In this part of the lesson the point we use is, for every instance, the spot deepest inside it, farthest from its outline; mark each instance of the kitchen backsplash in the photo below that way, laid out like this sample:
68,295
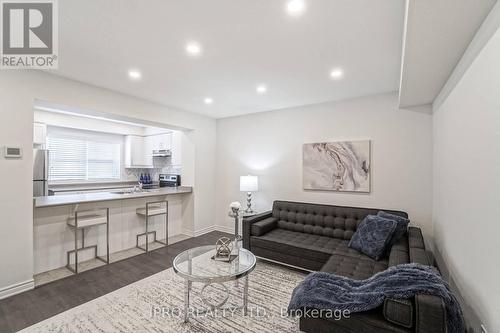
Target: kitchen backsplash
134,174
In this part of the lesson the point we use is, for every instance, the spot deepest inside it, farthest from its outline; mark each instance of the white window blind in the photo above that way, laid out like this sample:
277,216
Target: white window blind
82,155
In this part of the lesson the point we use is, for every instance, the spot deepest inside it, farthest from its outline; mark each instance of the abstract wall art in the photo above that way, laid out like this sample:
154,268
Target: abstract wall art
337,166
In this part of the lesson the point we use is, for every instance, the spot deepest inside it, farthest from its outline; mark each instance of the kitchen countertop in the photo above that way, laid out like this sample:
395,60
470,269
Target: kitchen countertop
60,188
72,199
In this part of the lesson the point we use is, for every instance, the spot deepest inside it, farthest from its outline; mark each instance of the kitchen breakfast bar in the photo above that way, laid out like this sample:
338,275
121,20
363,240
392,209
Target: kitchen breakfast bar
109,226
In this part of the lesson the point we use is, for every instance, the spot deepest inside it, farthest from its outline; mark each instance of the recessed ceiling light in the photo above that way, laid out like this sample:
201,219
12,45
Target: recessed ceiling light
295,7
134,74
336,74
208,100
261,89
193,48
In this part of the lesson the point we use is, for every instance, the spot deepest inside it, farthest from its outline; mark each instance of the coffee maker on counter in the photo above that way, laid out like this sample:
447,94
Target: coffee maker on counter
170,180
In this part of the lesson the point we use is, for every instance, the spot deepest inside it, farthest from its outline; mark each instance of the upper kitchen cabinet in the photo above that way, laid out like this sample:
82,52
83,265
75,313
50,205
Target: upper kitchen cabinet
138,151
162,142
39,134
176,158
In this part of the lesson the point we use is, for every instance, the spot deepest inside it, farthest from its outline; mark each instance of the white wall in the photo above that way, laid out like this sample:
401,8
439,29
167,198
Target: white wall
466,182
270,145
18,91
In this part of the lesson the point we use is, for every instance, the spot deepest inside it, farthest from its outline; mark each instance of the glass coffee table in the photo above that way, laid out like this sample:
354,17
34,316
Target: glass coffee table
197,265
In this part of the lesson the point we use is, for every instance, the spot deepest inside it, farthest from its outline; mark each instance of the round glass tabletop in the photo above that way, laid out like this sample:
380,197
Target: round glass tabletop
197,265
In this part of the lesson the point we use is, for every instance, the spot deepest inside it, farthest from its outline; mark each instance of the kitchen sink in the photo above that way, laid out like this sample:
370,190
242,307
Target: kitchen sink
122,192
132,191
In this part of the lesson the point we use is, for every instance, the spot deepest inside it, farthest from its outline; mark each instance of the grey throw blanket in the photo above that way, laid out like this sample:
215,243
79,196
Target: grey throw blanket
325,291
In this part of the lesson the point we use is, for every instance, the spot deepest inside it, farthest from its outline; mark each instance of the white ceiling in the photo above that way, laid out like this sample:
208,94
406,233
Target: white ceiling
437,34
245,43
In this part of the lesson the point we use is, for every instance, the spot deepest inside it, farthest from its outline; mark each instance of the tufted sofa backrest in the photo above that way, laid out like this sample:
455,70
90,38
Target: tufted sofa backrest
325,220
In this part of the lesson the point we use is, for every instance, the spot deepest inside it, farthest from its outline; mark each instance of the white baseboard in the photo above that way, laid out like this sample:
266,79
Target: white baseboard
17,288
188,232
224,228
206,230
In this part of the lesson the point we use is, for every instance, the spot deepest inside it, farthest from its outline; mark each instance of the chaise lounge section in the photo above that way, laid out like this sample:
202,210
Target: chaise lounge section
315,237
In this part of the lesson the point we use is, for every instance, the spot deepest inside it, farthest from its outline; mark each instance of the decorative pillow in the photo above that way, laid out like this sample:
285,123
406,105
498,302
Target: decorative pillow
401,228
373,235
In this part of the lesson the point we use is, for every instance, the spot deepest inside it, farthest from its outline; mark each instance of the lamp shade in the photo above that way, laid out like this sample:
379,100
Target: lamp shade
249,183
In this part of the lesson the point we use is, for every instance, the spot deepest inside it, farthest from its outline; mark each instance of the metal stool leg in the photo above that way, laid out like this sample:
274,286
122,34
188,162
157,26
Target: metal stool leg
83,237
84,247
106,258
68,254
147,222
166,224
147,232
76,242
107,235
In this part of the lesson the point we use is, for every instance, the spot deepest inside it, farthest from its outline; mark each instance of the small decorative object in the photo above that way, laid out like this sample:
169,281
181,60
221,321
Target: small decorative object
223,250
235,207
249,184
337,166
235,213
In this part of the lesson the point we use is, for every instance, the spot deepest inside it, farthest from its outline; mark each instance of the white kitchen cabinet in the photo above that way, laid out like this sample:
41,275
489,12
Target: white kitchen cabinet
162,141
138,151
148,151
39,134
176,158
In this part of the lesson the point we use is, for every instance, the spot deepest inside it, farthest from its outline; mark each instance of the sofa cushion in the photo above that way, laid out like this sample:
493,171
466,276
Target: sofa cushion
312,247
420,256
289,259
324,220
401,227
373,236
401,244
264,226
354,268
415,238
399,311
399,253
398,257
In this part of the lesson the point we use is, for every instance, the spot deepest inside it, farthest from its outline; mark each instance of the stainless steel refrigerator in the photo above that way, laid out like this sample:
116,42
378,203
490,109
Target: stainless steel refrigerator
40,172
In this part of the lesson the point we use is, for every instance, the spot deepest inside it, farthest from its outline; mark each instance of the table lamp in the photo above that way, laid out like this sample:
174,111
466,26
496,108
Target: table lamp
249,184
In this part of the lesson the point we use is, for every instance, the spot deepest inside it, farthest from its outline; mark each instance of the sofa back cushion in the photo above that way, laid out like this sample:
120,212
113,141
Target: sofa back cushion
324,220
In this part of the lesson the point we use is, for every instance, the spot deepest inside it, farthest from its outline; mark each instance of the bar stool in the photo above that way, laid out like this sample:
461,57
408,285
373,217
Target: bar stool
153,208
82,221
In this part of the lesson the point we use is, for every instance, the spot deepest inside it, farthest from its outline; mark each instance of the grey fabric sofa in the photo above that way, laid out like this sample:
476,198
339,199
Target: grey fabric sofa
315,237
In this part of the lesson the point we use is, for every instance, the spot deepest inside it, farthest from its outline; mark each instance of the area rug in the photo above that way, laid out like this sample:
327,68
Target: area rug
155,304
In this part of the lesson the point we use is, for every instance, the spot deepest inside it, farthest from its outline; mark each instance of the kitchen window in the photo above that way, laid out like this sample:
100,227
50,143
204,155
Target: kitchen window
77,155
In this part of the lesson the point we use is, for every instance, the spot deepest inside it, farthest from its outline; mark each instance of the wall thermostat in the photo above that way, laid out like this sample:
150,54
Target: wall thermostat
13,152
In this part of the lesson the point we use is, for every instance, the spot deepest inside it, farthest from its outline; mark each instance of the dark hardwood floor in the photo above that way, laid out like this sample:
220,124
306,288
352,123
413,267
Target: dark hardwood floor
28,308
